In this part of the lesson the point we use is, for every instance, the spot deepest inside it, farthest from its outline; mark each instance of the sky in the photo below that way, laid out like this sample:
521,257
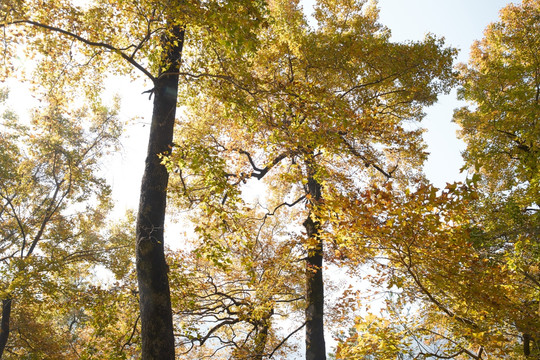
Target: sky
460,22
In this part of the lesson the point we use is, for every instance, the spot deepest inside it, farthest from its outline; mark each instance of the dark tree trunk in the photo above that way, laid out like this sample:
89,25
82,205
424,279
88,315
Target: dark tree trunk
260,340
526,344
4,324
155,301
315,347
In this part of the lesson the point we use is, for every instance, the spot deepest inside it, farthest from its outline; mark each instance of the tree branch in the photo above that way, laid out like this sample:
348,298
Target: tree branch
367,162
375,82
48,214
18,220
217,327
109,47
258,172
221,77
436,302
128,342
285,339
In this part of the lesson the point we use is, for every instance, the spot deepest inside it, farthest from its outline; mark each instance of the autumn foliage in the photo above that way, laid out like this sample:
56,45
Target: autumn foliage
288,153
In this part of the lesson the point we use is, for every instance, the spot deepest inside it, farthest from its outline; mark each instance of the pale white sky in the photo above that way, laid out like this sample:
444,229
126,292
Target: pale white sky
460,22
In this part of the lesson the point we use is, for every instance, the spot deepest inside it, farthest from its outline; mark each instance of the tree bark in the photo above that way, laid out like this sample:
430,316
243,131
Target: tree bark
315,346
155,300
526,344
4,324
260,340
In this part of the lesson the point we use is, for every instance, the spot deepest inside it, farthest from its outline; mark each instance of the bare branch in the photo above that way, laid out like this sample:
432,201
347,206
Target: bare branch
285,204
285,339
455,355
359,86
217,327
128,342
258,172
435,301
366,161
48,215
9,256
146,37
109,47
219,76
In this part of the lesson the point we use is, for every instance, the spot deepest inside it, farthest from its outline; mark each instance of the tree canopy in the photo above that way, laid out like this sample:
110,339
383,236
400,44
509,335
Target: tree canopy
465,258
290,151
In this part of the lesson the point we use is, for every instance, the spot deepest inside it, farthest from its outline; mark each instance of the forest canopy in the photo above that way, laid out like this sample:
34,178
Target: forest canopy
285,156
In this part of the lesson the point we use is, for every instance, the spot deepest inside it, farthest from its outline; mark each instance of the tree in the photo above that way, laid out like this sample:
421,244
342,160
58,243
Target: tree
314,112
433,258
117,37
467,257
52,205
242,276
443,297
232,309
502,82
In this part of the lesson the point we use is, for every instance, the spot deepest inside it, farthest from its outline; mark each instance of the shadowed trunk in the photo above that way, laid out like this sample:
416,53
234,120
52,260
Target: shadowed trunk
315,347
260,340
526,344
155,301
4,324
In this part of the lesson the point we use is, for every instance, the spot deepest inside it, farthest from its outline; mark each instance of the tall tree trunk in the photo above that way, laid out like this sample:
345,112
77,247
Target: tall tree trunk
4,324
315,347
261,339
526,344
155,300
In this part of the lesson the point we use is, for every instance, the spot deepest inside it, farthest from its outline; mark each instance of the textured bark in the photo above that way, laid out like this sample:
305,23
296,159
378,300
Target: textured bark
526,344
155,301
4,324
260,340
315,346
